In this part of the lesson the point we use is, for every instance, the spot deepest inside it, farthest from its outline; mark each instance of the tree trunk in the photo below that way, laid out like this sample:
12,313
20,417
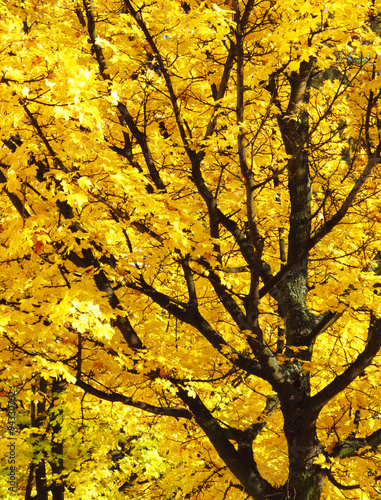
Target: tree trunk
56,462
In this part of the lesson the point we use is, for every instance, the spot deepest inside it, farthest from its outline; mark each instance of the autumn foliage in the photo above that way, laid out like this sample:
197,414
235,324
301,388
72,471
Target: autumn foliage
190,249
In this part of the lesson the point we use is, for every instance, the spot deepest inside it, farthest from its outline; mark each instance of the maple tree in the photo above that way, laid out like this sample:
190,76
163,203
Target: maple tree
189,247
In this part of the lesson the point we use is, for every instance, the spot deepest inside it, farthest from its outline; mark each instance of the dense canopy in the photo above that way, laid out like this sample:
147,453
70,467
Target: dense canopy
190,249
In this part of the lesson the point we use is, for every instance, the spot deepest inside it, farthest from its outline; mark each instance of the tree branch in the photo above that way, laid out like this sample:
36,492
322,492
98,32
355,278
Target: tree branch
332,479
349,447
324,230
329,319
114,397
247,474
191,315
13,198
363,360
124,114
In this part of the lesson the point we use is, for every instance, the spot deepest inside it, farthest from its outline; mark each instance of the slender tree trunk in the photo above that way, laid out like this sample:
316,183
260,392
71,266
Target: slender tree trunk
38,420
56,461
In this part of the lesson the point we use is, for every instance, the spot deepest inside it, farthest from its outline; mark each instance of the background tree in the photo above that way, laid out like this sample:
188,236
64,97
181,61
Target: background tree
190,230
